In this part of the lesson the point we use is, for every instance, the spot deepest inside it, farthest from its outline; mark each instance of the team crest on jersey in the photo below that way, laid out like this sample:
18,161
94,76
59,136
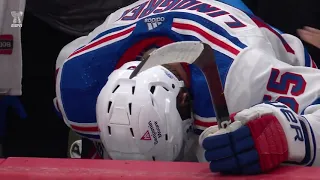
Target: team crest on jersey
154,22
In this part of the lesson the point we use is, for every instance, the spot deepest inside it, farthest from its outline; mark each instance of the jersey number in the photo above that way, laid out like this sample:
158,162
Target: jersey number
288,86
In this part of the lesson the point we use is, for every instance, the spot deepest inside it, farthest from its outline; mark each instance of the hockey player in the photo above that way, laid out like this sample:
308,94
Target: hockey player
148,117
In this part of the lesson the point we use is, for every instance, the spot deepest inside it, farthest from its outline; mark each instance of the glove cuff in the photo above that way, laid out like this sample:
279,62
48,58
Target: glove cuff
292,128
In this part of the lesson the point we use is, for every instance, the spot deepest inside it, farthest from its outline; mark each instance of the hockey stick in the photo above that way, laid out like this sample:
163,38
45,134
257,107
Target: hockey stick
201,55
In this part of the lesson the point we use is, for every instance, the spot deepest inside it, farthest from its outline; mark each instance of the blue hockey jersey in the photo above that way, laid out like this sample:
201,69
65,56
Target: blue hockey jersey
256,62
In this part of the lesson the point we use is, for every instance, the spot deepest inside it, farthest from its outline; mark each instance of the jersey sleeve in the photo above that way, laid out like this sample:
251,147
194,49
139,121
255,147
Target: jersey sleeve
257,76
301,55
78,43
87,129
82,69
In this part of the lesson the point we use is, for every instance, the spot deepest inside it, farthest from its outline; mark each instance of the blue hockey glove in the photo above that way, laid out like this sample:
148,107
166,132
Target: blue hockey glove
259,140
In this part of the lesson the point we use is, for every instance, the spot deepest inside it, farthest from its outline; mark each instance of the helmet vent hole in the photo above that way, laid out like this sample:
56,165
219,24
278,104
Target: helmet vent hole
152,102
153,158
133,89
131,130
130,107
115,89
109,130
152,89
173,86
109,106
166,136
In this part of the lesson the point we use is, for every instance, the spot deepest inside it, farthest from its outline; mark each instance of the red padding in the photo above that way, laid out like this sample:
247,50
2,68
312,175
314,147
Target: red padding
64,169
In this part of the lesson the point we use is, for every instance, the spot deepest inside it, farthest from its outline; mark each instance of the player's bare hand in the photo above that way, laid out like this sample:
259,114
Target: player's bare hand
310,35
259,140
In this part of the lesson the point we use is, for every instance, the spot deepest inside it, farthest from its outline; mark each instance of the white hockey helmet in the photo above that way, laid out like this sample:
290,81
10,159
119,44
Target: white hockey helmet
138,118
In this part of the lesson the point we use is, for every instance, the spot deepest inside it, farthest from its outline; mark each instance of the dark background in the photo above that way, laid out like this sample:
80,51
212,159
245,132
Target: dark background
288,16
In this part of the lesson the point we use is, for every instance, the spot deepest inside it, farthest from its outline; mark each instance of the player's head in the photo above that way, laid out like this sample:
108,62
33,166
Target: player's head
144,118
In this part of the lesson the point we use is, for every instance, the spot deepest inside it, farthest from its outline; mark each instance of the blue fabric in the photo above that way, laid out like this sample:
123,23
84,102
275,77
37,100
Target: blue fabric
7,102
232,153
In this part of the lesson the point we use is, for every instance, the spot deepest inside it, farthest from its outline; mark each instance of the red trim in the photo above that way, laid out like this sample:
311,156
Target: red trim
6,37
261,24
136,49
206,35
204,124
6,51
103,40
314,65
87,129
